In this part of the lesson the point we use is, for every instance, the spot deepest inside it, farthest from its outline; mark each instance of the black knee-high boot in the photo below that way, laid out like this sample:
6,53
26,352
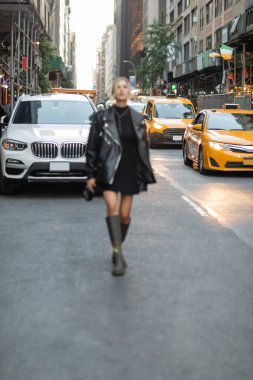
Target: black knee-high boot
115,233
124,229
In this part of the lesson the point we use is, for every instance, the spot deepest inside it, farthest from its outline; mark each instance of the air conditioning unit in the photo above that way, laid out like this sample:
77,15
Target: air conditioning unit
195,38
195,19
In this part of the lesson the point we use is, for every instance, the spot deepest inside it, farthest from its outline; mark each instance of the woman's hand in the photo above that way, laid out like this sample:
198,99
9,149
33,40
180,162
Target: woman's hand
91,184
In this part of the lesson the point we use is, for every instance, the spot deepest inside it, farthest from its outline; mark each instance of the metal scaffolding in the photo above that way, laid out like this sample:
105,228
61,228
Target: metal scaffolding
20,61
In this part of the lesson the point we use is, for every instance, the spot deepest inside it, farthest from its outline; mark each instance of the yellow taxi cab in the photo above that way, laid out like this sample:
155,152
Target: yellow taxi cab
167,119
221,140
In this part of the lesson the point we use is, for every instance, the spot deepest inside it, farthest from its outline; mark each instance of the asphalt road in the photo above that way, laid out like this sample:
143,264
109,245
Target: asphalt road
184,311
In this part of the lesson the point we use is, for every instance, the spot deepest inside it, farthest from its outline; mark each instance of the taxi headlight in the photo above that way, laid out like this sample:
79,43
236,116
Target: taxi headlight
158,126
218,146
8,144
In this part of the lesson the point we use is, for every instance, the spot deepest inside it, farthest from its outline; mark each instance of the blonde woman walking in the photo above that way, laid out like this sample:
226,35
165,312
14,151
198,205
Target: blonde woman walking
118,164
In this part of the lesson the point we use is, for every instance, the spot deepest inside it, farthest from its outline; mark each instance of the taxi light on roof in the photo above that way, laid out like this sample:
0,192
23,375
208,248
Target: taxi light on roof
231,106
171,96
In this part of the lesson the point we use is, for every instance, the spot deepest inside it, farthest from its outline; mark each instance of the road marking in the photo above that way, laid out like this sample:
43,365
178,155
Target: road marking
210,211
200,210
204,210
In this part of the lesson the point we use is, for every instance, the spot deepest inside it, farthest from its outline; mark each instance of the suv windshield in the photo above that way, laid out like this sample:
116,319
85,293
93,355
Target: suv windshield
230,122
174,111
53,112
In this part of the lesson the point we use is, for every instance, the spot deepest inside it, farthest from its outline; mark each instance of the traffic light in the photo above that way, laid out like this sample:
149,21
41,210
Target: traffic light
174,87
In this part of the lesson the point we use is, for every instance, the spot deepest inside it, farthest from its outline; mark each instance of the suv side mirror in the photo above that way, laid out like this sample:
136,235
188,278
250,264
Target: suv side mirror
4,121
197,127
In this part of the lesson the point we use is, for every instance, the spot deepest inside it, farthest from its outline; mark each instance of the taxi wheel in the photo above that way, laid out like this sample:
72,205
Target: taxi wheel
187,161
202,170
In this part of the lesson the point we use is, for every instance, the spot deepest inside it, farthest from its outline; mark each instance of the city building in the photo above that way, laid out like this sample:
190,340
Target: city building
22,24
129,29
62,70
200,27
153,10
109,61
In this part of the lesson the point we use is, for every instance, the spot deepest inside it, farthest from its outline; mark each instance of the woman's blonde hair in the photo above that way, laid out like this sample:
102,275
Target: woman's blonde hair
116,82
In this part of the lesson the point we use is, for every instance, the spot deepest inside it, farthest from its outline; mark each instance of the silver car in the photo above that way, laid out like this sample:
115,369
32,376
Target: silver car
45,140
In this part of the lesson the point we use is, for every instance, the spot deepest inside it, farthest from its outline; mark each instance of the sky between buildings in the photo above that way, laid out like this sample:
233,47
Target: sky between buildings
89,19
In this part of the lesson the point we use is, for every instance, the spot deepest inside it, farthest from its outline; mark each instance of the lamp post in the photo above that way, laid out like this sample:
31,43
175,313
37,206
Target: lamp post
134,67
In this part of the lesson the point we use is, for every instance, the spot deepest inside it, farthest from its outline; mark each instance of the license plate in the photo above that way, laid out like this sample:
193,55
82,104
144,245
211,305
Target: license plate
59,167
248,162
177,138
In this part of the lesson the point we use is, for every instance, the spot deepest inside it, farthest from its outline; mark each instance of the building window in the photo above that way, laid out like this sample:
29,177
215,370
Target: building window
186,51
186,3
228,4
172,17
179,34
179,8
249,17
194,16
194,46
187,24
201,17
209,12
209,42
201,46
218,8
218,37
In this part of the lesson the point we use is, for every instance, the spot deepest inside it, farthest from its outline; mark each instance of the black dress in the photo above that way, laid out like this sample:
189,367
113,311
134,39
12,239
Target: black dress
126,177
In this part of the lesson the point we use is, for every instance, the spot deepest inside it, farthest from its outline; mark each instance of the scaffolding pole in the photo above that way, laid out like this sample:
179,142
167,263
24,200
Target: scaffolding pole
12,62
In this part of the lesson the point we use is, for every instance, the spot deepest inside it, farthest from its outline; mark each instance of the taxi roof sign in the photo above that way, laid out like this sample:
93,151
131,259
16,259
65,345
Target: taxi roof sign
231,106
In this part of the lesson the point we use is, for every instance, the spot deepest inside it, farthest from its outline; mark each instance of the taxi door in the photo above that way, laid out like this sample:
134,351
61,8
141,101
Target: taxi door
195,137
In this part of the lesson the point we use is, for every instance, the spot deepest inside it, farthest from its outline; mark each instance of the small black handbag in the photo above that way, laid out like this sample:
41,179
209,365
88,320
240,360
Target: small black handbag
88,195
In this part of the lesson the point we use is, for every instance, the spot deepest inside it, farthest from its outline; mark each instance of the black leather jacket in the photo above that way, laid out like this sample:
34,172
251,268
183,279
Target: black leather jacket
104,148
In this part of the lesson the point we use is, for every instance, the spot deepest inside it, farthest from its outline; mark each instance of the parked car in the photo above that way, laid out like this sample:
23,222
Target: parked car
220,140
167,119
45,140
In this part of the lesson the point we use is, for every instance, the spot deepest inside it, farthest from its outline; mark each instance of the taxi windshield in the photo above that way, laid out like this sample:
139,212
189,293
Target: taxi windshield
53,112
173,111
230,121
138,107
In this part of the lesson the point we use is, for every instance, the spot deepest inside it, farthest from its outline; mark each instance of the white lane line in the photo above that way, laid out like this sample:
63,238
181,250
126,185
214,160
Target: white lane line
210,211
204,210
200,210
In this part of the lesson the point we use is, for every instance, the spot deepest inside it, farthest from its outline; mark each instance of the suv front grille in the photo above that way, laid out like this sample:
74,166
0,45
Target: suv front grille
45,150
73,150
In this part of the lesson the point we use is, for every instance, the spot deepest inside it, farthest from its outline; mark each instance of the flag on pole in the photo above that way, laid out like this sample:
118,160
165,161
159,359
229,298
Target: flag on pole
226,52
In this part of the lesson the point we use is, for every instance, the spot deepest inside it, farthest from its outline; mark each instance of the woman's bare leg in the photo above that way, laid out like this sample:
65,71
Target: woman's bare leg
125,208
112,203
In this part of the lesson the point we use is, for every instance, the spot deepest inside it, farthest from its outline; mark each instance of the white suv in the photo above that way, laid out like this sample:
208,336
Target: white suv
45,140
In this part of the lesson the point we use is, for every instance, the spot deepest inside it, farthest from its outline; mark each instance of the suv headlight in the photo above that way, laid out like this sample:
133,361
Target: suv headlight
8,144
218,146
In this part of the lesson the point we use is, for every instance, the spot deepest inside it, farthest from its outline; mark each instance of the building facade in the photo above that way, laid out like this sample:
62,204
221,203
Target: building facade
22,25
110,57
128,29
200,27
153,10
